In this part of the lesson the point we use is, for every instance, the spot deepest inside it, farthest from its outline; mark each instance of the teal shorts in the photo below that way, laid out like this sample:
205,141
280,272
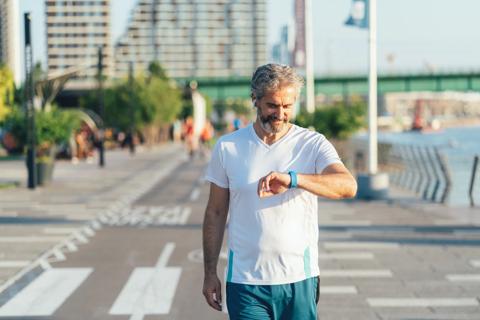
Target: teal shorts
291,301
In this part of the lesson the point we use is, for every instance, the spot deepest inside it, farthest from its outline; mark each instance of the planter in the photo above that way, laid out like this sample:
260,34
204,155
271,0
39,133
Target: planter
44,172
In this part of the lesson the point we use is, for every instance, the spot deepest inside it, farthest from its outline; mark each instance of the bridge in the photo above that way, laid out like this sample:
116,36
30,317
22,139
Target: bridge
223,88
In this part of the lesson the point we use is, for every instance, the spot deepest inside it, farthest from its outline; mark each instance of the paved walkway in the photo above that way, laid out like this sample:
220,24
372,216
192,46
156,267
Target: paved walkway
399,259
35,223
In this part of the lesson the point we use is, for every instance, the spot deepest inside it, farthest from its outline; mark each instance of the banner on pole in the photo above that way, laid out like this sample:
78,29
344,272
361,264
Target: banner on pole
358,14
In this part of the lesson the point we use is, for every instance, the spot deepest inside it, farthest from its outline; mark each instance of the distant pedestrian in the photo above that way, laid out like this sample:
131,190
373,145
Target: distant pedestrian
267,177
237,123
206,137
189,136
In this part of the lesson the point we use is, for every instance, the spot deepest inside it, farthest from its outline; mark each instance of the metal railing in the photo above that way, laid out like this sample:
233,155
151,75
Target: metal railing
472,181
422,170
436,173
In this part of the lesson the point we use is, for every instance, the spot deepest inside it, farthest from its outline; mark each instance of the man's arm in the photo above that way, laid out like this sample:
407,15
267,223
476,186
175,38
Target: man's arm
213,230
335,182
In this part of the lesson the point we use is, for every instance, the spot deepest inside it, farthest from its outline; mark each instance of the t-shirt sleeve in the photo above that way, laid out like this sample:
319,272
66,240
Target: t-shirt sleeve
326,156
216,170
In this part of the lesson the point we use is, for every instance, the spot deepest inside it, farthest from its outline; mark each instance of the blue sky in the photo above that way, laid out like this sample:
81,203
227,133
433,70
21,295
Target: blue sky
421,35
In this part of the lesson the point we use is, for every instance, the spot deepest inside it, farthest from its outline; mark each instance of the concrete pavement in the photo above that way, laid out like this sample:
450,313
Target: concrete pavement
399,259
34,225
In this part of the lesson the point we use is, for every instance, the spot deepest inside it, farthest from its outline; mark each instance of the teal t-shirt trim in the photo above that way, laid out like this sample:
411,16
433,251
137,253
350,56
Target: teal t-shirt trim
230,266
306,262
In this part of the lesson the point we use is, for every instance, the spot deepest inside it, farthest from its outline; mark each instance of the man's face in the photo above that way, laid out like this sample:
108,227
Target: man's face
275,108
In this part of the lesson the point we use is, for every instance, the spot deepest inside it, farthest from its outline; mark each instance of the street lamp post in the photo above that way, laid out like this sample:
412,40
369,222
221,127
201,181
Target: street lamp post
373,185
28,105
309,74
101,109
132,110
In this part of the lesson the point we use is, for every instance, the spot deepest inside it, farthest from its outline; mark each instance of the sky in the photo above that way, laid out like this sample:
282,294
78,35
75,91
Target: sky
417,35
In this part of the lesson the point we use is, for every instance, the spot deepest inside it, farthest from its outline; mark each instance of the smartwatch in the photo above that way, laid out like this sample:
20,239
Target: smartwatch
293,179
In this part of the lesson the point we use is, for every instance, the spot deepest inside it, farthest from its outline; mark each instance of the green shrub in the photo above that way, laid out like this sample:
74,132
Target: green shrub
51,128
336,121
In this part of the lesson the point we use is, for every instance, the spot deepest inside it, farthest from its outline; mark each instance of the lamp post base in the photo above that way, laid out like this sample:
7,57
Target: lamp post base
372,186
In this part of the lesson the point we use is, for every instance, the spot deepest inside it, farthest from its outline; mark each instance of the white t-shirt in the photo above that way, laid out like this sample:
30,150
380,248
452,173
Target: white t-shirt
271,240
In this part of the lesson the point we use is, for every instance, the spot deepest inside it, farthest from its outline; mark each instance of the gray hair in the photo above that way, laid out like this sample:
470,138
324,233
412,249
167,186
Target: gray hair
273,76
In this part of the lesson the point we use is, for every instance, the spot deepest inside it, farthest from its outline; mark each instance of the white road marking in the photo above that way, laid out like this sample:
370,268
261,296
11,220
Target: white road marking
344,223
475,263
445,222
360,245
463,277
346,256
185,215
14,263
89,231
59,230
338,290
80,237
96,225
195,194
144,216
46,293
331,236
420,302
149,290
71,246
165,255
59,256
30,239
356,273
45,264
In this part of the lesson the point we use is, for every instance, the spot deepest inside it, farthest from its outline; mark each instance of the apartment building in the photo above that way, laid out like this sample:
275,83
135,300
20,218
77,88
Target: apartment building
10,37
75,31
195,38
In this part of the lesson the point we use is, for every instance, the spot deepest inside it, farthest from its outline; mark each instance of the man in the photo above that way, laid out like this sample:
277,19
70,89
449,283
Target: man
267,176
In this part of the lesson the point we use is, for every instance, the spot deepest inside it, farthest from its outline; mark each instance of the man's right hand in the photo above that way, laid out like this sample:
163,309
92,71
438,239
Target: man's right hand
212,290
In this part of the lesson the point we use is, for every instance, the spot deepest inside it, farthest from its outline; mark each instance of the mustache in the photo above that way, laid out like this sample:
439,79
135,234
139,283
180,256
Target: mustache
271,118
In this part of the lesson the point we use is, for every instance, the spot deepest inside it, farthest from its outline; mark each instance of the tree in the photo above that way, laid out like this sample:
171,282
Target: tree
155,70
336,121
154,98
7,91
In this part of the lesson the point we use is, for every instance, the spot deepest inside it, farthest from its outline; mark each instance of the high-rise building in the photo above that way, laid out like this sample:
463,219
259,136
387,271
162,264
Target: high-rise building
195,38
282,51
299,49
10,38
76,29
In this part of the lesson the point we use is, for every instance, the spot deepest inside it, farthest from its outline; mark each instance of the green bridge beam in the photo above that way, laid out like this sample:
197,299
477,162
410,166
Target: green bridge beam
224,88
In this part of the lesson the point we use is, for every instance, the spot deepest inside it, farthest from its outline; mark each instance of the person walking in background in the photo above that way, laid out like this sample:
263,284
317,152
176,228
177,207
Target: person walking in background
206,137
189,136
267,177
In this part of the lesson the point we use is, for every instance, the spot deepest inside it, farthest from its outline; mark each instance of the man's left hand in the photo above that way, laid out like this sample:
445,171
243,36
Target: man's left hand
272,184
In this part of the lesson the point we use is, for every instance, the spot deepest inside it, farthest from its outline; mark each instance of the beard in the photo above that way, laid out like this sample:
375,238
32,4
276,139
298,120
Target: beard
267,122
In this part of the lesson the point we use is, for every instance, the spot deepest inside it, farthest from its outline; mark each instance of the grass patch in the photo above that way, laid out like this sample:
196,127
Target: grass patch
8,185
